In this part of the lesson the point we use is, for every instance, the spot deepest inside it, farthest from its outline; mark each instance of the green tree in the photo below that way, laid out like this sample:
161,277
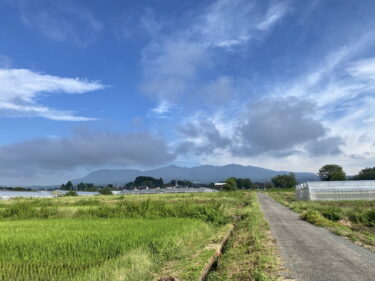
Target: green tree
244,183
67,186
366,174
331,172
230,184
106,191
71,192
284,181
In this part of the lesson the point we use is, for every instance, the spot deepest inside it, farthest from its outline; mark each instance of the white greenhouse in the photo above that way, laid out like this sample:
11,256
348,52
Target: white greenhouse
336,190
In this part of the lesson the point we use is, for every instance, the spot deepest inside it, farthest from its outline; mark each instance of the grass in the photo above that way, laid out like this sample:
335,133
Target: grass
60,249
250,253
134,237
352,219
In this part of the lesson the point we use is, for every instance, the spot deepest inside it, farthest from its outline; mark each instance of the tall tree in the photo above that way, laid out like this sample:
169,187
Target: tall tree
245,183
284,181
332,172
366,174
69,186
230,184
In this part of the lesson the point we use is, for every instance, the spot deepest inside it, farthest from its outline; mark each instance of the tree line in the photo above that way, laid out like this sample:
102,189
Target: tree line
329,172
279,181
333,172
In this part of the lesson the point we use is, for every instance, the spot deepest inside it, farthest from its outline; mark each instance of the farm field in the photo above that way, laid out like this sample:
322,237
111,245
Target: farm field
352,219
134,237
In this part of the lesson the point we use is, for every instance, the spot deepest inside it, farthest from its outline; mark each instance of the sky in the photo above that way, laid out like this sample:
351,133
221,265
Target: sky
85,85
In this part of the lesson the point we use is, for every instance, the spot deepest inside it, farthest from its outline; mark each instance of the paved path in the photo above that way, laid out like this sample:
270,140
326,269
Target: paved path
312,253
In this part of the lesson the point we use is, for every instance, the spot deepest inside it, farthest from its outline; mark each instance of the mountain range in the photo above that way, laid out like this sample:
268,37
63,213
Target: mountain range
199,174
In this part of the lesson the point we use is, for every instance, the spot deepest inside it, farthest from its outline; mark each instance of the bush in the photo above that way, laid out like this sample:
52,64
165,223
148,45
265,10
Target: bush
19,211
370,215
71,193
105,191
366,218
316,218
333,214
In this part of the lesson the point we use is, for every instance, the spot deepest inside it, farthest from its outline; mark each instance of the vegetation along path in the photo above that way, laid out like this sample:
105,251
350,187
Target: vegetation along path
312,253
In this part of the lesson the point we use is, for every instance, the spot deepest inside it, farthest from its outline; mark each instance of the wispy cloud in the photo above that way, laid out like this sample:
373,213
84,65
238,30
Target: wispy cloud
275,13
21,88
227,23
173,65
162,109
59,20
363,69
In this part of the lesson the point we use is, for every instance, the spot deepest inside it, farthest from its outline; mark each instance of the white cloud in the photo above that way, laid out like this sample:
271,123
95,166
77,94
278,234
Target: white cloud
20,89
363,69
173,64
343,87
273,15
59,20
162,108
227,23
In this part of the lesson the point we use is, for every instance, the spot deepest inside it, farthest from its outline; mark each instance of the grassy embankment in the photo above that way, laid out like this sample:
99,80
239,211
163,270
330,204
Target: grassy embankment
250,253
130,238
352,219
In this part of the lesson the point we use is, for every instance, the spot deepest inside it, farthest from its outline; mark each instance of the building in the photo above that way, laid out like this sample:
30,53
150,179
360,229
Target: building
219,185
336,190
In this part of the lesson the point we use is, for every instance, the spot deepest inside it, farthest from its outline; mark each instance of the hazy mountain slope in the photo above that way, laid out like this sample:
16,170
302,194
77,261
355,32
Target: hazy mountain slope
204,174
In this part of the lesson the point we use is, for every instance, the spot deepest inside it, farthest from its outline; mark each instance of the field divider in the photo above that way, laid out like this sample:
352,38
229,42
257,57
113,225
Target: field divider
218,251
215,257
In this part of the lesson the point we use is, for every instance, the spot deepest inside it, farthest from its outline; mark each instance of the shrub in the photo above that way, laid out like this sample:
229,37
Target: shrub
333,214
105,191
370,215
71,193
19,211
316,218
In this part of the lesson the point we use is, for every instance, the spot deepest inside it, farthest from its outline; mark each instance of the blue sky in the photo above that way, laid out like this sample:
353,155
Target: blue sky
84,85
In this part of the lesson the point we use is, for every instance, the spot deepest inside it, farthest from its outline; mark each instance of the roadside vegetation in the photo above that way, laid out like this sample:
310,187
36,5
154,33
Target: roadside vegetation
352,219
250,253
134,237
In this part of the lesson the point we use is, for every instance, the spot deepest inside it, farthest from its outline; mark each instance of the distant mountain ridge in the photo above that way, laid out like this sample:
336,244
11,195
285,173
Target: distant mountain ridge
199,174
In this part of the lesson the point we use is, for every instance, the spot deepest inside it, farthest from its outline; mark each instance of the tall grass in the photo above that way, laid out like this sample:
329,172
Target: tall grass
250,253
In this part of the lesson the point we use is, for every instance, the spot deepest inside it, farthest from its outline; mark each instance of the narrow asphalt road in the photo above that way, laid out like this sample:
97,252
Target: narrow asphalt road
312,253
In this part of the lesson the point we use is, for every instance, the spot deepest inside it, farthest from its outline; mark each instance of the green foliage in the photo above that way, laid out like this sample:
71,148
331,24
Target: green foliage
250,253
61,249
332,172
18,210
86,187
366,218
316,218
145,181
245,183
212,213
284,181
71,193
366,174
180,183
112,238
333,213
105,191
230,184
